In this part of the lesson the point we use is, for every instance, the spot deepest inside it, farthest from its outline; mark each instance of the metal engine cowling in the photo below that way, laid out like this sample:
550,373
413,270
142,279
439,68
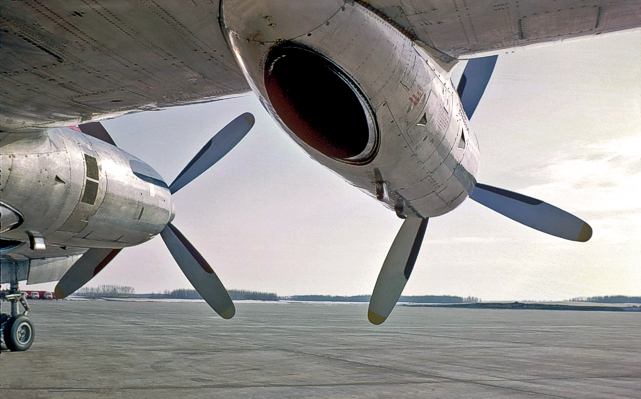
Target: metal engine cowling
356,94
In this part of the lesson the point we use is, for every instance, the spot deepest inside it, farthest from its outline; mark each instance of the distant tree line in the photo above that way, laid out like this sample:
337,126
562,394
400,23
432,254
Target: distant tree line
113,291
471,299
252,295
181,294
609,299
365,298
237,295
106,291
326,298
125,291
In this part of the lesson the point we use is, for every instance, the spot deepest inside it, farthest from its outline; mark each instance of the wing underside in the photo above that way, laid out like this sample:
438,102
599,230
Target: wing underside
38,266
64,63
464,28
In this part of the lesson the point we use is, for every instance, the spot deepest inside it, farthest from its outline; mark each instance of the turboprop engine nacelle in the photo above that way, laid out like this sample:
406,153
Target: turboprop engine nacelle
74,190
360,97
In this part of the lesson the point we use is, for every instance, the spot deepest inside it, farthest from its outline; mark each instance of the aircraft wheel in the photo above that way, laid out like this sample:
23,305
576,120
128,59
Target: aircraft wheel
19,333
3,317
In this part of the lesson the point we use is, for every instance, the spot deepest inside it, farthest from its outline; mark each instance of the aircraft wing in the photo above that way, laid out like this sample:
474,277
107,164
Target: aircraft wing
64,63
39,266
463,28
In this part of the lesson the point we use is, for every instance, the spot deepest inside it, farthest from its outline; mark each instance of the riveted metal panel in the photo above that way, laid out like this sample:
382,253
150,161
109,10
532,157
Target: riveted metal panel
401,85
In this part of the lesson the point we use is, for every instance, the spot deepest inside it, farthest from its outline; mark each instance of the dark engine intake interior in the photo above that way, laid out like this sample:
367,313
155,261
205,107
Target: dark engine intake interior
321,104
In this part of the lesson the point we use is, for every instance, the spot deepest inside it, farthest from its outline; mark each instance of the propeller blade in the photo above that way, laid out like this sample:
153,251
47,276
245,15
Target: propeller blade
396,269
85,268
198,272
474,80
533,213
216,148
95,129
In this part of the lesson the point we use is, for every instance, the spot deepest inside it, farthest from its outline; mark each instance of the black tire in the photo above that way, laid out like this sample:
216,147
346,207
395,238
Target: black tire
19,334
3,317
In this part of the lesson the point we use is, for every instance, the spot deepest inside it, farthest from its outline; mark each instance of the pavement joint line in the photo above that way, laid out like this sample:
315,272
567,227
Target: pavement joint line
447,379
271,385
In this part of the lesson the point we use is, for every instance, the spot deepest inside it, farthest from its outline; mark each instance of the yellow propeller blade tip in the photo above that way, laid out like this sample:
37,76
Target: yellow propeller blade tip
59,293
586,233
375,318
229,313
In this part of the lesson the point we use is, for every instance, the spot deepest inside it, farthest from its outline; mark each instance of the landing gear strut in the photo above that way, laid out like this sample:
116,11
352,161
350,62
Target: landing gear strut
16,329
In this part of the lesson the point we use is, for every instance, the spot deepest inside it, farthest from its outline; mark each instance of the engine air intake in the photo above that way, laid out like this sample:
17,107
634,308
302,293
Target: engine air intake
321,104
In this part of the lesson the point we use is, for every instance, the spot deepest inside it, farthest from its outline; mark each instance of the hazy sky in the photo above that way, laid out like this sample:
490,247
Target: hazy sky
560,123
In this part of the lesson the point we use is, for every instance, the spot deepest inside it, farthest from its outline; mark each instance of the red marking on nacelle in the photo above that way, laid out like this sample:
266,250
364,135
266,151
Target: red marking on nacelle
416,97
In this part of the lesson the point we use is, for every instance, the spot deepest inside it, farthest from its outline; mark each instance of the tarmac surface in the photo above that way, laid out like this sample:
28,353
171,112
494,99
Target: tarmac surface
107,349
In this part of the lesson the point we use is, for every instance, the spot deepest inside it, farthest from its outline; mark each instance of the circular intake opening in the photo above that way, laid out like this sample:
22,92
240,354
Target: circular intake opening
321,104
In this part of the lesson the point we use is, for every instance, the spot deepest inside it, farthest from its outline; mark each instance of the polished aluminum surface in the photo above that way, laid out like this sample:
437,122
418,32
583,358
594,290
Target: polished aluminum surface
419,116
77,191
8,218
68,62
62,63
